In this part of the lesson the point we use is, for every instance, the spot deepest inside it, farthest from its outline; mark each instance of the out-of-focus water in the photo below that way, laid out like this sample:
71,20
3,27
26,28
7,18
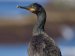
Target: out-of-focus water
13,50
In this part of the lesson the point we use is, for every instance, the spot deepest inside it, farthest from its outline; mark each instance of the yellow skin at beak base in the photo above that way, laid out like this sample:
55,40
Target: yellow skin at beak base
32,9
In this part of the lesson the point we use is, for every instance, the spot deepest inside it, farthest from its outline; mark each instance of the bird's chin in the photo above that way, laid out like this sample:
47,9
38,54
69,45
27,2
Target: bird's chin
34,12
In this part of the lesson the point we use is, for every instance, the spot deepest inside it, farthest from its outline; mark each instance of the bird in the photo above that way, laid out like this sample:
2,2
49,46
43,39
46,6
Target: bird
40,44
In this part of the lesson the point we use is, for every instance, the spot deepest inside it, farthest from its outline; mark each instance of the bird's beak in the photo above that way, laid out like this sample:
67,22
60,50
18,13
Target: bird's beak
27,8
23,7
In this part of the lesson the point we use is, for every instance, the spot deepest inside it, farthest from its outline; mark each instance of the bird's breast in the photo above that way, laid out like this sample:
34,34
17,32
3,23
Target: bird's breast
37,43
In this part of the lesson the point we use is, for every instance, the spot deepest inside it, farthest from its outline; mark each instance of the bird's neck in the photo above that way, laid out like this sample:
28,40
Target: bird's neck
39,26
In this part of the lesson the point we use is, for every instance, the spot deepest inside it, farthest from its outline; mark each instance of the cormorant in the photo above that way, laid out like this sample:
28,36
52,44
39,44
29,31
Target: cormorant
41,44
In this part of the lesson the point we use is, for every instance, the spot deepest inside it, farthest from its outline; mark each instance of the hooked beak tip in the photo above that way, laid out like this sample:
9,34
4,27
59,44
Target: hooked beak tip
17,6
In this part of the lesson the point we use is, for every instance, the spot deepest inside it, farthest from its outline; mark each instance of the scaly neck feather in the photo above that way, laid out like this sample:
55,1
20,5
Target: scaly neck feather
39,26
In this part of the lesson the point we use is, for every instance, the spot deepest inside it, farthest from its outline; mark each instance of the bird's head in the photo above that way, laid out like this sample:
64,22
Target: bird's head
34,8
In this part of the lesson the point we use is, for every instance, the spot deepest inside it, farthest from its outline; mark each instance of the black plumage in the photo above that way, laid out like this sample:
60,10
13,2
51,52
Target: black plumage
41,44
